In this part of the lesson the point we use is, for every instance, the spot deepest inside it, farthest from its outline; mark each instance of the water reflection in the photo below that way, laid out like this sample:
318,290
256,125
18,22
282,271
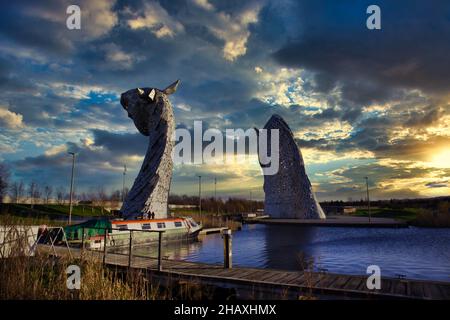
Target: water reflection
418,253
280,251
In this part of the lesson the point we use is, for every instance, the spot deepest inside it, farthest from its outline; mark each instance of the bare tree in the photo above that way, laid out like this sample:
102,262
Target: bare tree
115,198
48,191
60,193
101,197
37,194
4,181
16,191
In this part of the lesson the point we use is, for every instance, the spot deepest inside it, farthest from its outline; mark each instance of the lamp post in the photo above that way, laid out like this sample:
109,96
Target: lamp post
123,183
368,199
71,187
215,194
200,194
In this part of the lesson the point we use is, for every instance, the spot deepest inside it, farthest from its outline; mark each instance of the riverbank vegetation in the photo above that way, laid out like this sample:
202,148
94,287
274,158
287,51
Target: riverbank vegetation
209,219
10,220
55,210
44,277
437,216
434,218
231,205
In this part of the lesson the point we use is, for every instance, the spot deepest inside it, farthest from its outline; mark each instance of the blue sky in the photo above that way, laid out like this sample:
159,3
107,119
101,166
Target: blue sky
359,102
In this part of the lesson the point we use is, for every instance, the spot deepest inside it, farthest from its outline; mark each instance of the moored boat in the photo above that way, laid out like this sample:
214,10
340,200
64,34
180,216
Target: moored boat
143,231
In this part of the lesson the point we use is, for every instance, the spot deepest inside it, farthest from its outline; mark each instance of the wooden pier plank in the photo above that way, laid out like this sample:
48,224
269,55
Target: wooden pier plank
320,282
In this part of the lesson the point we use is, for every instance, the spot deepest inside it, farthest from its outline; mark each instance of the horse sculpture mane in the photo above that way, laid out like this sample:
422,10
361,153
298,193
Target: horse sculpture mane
152,114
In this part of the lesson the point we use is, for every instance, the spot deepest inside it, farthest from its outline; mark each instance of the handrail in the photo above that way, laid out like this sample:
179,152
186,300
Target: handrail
160,233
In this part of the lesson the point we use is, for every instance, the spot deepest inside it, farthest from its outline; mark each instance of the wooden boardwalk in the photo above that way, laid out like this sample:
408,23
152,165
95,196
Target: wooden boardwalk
290,283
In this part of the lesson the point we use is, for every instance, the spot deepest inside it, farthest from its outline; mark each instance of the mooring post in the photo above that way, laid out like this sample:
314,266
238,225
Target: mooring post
130,248
82,243
104,247
160,251
227,250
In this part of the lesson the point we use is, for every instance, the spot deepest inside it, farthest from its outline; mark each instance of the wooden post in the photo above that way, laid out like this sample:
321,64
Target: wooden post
159,251
227,251
130,248
82,243
104,247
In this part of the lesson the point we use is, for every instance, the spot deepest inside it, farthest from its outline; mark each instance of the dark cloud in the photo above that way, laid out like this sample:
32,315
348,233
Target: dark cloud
121,143
437,184
66,84
406,52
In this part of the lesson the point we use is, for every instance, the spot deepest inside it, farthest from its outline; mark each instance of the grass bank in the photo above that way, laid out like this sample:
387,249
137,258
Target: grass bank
438,217
53,210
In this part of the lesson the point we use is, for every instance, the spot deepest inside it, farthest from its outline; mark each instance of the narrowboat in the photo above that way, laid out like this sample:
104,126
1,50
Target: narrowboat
92,232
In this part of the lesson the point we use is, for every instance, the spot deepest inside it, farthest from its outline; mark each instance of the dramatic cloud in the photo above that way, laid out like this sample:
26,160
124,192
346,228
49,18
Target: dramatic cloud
157,20
10,120
359,102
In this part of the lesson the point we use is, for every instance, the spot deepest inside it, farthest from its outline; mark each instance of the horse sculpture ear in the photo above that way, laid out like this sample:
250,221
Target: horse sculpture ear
172,88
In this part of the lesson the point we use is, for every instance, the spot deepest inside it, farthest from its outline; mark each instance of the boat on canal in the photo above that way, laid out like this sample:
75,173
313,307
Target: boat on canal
143,231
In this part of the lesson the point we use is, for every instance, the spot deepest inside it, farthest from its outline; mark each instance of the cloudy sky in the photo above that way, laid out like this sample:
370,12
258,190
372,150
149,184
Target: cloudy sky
359,102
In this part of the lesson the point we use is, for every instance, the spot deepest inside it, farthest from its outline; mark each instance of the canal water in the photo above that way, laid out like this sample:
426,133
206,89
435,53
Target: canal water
417,253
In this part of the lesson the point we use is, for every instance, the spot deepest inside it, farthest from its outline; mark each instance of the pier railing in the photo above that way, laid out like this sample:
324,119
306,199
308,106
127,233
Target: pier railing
126,247
104,243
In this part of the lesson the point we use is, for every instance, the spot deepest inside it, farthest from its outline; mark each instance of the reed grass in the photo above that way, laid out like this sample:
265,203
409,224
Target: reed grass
43,277
432,219
210,220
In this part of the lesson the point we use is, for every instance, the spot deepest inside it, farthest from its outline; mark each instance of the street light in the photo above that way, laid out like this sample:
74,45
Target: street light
215,194
123,184
368,199
200,194
71,187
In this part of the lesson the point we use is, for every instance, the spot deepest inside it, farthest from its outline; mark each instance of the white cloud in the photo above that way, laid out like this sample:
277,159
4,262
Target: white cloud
120,60
75,91
204,4
233,29
285,86
99,16
184,107
9,119
157,20
332,130
56,150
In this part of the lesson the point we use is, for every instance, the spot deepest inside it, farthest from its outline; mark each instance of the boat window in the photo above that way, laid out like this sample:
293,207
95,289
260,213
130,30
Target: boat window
161,225
122,227
146,226
193,223
178,224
